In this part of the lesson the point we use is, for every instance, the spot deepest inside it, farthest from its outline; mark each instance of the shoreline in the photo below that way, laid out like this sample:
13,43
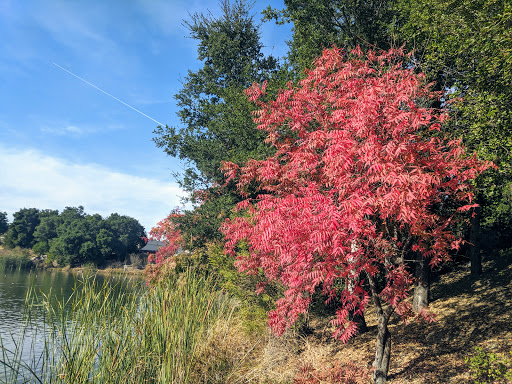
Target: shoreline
18,260
104,271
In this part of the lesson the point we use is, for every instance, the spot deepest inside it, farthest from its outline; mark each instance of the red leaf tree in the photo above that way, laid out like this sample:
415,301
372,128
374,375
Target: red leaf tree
361,177
170,235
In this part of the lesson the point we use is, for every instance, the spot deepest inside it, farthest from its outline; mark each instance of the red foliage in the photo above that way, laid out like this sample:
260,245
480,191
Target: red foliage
168,232
360,177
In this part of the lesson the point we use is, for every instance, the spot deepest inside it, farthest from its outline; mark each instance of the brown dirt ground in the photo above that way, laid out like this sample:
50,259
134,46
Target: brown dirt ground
468,313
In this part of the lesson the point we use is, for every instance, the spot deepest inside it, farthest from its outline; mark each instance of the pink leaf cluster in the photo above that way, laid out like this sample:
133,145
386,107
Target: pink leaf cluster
166,231
359,176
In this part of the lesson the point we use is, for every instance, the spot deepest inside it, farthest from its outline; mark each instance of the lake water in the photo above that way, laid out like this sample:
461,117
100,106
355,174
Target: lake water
14,287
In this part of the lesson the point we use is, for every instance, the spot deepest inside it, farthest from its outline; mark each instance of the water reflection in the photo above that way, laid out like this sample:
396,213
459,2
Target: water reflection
15,287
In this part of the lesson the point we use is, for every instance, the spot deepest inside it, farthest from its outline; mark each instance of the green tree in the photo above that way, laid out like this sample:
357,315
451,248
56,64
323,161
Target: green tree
4,223
127,236
73,232
46,231
70,238
21,230
70,214
467,47
318,24
200,225
105,243
215,114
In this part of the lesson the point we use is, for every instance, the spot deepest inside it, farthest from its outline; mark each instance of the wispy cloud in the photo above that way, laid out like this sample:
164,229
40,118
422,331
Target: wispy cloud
64,130
30,178
76,129
76,25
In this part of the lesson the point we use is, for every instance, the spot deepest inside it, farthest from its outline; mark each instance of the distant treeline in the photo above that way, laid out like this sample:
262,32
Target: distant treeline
73,237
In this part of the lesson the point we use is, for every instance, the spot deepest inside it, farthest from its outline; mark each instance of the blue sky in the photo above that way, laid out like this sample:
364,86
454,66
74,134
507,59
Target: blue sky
63,142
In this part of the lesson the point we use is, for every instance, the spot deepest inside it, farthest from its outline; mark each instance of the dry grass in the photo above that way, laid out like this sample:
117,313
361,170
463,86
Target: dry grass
469,313
278,361
232,355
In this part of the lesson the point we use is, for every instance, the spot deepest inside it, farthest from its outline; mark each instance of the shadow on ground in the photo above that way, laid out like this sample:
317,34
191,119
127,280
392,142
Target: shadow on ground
469,313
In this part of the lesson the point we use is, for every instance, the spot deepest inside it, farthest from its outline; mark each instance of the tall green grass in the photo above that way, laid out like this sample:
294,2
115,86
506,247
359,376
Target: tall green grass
15,259
107,334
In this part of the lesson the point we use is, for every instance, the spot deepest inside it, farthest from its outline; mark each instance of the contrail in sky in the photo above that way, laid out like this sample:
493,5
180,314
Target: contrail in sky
108,94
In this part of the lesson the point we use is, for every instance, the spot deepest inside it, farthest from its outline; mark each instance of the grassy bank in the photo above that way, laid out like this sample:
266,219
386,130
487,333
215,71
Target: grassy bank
15,259
92,269
184,330
142,335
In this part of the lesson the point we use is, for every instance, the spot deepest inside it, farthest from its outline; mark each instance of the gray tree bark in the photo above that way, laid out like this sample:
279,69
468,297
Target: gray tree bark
422,287
383,345
383,352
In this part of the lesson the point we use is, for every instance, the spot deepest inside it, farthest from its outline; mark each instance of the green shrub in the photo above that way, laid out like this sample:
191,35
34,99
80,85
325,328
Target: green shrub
137,261
490,368
254,307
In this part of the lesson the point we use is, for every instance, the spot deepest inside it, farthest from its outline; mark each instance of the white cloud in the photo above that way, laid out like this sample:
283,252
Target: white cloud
29,178
63,127
77,26
64,130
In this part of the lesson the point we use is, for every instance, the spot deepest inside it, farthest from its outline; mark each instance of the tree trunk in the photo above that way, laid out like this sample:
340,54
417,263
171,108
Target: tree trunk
383,347
475,256
422,288
359,318
383,351
360,321
351,283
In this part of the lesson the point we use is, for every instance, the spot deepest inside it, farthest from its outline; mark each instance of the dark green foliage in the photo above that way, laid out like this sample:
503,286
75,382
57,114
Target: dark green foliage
216,117
105,241
318,24
215,114
201,225
69,248
74,237
45,232
466,46
21,230
89,238
4,223
126,234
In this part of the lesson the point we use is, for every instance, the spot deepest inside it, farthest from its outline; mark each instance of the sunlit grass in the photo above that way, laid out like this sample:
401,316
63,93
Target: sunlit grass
113,334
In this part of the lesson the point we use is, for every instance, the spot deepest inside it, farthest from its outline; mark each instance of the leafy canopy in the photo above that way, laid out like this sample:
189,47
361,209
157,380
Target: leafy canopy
21,230
216,121
467,46
4,223
215,115
318,24
74,237
360,178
